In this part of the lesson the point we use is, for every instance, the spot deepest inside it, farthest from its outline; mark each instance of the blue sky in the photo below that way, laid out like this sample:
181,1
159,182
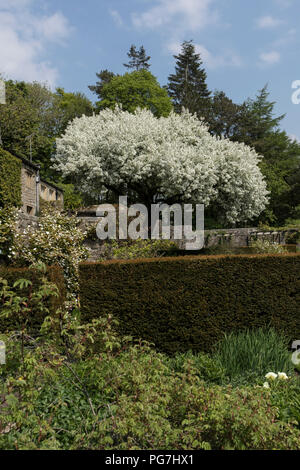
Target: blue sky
244,44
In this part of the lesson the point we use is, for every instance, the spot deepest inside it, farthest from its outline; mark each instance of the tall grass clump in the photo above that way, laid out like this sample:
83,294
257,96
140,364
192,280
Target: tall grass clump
253,353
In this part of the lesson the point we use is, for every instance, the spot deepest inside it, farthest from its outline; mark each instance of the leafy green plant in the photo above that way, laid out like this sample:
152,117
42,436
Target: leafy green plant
10,180
16,302
251,354
138,249
206,367
8,220
266,246
127,397
56,241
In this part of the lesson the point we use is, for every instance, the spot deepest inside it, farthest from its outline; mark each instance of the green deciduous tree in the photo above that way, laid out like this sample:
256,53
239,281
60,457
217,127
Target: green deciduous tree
32,109
136,89
104,77
70,106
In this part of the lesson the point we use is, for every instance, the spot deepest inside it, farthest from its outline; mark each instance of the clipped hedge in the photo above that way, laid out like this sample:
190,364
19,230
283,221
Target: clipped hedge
10,180
189,302
54,274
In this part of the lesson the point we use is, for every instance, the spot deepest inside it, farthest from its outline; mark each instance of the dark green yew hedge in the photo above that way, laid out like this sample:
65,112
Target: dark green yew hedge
190,302
54,274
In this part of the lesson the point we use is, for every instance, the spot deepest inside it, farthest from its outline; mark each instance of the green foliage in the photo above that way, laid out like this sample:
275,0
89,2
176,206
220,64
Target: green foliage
138,89
104,77
27,296
254,122
10,180
293,238
206,367
136,249
266,246
73,199
187,303
259,128
187,87
138,59
57,240
285,396
32,109
250,354
8,221
129,397
224,117
71,106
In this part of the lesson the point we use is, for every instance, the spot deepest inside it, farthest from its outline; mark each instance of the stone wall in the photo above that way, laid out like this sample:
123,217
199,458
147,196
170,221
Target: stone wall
234,238
231,238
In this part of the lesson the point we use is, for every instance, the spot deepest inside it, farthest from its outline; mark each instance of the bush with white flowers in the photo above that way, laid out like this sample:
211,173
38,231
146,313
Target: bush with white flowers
170,159
56,241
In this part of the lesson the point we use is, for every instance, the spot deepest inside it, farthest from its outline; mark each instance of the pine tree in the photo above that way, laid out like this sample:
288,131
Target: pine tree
187,87
104,76
138,59
257,120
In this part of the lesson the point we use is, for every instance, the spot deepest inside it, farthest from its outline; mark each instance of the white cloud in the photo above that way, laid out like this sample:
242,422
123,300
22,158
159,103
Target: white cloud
224,59
270,58
294,137
268,22
116,17
177,18
187,14
284,3
24,37
13,4
54,28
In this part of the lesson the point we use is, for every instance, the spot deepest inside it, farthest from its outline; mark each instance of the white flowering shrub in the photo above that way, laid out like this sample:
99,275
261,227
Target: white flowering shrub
8,222
56,241
268,247
172,159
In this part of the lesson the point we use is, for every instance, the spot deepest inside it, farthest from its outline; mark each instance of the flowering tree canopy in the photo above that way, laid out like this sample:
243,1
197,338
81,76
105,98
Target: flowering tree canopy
168,159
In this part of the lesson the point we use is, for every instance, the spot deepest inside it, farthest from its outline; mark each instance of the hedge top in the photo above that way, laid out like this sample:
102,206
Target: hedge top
188,258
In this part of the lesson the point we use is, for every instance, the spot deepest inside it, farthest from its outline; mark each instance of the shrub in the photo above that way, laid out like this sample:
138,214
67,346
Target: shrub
56,241
207,368
129,400
137,249
266,246
188,303
226,418
8,221
73,199
36,315
10,180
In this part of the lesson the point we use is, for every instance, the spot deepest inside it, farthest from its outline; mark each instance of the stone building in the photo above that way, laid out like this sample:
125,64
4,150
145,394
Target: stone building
34,188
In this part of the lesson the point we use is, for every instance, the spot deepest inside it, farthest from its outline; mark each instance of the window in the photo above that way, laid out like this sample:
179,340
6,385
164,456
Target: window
29,210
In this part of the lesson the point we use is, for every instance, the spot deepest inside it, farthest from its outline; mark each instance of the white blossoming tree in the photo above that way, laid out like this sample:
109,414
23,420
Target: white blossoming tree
170,160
